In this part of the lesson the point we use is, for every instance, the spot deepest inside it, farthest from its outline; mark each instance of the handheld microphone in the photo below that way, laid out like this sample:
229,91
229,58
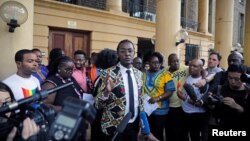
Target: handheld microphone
36,97
190,91
123,124
145,125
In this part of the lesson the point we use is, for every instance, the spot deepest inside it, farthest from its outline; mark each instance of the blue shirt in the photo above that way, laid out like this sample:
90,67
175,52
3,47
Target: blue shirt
43,75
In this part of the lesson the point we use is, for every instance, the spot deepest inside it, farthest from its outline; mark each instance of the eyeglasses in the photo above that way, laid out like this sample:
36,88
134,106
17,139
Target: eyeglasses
2,104
155,62
68,70
123,51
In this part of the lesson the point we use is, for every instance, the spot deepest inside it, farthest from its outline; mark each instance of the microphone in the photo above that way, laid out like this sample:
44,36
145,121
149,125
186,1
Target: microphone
145,125
36,97
190,91
123,124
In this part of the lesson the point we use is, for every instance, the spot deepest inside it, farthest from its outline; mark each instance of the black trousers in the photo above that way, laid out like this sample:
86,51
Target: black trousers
175,125
130,133
96,129
157,125
194,125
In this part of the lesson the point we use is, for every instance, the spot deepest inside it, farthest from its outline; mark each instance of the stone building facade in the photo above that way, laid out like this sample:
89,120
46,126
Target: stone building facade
238,24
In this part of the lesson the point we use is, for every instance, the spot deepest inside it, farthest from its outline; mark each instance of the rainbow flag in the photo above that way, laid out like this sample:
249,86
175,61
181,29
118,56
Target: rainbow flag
28,93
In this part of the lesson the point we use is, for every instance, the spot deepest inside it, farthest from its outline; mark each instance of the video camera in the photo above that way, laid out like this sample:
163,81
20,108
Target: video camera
216,98
70,121
33,108
30,107
44,116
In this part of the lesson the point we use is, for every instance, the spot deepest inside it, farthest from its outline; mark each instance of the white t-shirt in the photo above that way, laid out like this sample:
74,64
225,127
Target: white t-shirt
22,87
187,107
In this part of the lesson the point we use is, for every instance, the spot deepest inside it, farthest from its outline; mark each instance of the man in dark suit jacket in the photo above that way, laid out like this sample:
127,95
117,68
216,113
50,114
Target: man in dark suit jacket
221,77
113,94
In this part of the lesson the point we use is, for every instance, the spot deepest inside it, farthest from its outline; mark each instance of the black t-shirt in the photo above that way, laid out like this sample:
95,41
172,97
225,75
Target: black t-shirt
70,91
229,117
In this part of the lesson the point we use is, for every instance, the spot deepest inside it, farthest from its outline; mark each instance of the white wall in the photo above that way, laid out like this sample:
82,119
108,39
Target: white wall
12,42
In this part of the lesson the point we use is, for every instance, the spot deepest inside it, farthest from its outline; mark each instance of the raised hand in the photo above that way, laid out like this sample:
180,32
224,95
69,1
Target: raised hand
109,86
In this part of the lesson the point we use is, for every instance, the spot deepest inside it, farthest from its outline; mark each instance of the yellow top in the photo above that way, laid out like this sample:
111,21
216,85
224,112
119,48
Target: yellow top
179,78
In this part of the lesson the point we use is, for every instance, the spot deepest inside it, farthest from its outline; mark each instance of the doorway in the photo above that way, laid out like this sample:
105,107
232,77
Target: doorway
145,48
70,41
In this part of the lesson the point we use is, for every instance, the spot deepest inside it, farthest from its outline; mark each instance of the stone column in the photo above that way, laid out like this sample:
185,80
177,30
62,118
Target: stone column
115,5
22,38
246,51
203,16
224,29
167,26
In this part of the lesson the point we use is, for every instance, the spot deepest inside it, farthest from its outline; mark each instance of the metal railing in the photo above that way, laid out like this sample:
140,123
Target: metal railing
98,4
135,8
142,10
189,24
144,15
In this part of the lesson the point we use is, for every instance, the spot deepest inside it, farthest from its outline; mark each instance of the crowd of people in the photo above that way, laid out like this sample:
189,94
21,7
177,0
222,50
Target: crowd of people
183,103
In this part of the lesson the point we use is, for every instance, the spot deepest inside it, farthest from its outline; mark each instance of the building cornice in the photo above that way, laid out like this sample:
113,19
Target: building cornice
199,34
121,16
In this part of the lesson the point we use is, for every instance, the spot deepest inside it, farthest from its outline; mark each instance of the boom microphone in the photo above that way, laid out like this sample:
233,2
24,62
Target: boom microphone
144,121
36,97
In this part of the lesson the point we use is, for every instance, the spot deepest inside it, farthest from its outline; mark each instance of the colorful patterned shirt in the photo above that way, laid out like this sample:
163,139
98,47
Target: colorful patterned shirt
156,84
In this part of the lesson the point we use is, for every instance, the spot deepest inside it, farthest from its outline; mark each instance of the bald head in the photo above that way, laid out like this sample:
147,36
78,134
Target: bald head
235,58
195,67
199,61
